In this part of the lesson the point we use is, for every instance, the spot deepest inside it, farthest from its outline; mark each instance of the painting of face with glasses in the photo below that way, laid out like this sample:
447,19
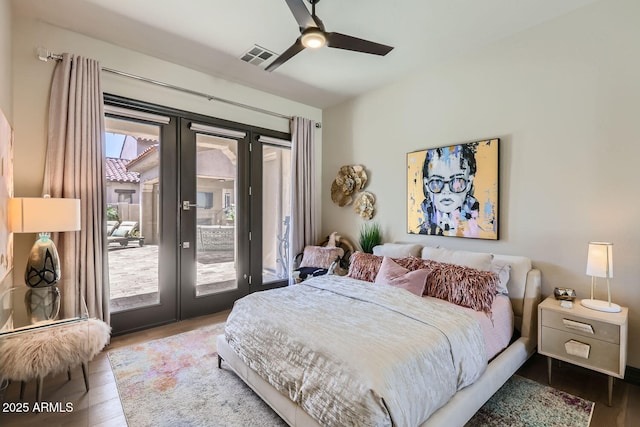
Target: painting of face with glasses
453,191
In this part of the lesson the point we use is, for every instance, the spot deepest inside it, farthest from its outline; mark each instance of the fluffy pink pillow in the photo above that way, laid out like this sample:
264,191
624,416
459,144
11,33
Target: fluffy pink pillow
463,286
391,273
319,256
363,266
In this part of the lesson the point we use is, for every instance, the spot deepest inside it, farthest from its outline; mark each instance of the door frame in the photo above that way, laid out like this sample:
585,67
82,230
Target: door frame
176,227
165,311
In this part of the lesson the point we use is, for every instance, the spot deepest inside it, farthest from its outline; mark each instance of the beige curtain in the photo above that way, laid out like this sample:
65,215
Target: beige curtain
304,224
75,169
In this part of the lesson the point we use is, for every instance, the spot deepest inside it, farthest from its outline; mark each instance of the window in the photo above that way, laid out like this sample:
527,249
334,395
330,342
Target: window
204,200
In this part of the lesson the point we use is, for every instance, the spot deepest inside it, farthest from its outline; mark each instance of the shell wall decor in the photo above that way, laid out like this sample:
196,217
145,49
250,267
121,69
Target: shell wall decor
350,180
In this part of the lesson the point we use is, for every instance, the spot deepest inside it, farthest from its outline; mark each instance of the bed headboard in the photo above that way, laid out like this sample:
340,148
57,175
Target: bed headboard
524,291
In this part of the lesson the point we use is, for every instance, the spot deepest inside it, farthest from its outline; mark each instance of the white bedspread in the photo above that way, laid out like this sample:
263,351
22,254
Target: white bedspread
356,353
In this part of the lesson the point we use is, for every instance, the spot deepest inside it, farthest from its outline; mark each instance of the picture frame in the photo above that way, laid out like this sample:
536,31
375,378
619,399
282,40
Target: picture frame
6,192
454,190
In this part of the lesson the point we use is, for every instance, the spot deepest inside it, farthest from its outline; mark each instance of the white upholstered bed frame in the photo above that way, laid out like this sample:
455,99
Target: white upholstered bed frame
524,291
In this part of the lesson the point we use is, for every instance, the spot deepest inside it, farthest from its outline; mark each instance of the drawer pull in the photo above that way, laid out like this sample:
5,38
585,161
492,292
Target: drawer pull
577,348
578,326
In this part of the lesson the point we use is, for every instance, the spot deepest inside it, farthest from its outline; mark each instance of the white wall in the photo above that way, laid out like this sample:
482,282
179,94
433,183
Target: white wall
564,98
32,80
5,60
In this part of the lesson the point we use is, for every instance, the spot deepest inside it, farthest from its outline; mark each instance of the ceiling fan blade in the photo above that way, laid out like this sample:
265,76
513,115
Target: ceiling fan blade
293,50
301,13
343,41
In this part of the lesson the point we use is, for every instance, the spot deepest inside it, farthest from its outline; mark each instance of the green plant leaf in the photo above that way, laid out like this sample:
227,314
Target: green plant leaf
370,236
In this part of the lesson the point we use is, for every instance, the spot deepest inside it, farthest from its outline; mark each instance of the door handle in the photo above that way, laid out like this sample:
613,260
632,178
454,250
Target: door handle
187,205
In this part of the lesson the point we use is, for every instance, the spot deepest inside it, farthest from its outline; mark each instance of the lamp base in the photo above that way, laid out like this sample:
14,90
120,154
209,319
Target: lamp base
43,264
595,304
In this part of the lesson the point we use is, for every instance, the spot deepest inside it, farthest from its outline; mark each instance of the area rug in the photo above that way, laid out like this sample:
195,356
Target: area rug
521,402
175,381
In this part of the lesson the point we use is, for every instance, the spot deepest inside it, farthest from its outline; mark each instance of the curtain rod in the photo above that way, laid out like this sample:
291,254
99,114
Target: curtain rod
45,55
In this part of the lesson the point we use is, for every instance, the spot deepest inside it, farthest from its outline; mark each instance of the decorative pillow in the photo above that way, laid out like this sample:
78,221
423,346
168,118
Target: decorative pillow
392,274
478,260
319,256
366,266
503,270
463,286
121,232
397,250
363,266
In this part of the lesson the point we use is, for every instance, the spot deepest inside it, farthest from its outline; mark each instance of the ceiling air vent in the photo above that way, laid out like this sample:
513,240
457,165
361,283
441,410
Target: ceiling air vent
257,55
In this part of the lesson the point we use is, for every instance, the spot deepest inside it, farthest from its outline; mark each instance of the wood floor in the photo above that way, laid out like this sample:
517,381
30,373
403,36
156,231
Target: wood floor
101,405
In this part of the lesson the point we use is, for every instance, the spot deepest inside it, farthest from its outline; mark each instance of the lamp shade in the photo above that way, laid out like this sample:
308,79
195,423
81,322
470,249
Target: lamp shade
43,215
600,259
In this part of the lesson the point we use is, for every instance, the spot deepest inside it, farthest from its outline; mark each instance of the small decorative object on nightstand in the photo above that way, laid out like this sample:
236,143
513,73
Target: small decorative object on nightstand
565,294
592,339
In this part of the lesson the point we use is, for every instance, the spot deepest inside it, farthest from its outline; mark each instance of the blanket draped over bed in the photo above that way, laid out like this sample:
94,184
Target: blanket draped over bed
356,353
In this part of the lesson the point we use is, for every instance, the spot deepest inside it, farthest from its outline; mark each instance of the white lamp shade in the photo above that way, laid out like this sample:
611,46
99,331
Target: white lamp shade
43,215
600,259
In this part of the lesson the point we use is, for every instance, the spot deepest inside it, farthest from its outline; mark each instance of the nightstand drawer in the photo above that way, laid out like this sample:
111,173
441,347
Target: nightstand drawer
563,321
603,356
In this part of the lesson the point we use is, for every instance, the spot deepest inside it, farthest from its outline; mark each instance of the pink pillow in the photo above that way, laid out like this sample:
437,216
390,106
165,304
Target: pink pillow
463,286
363,266
320,256
391,273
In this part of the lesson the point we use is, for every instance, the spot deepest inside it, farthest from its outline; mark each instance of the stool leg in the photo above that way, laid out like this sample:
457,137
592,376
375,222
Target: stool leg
85,373
39,387
22,387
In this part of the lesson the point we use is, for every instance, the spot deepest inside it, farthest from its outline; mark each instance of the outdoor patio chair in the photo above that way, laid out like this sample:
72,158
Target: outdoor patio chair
124,233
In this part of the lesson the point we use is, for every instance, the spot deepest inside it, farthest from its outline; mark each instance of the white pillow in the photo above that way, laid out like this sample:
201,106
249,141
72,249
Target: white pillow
503,270
397,250
477,260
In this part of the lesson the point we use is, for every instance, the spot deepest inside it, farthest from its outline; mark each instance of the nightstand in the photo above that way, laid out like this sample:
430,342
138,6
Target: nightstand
592,339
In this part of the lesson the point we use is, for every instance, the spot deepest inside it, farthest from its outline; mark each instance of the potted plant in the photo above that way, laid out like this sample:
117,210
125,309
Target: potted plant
370,236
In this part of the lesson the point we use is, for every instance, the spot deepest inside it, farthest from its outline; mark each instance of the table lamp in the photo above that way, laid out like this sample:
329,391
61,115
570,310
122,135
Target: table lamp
600,264
43,215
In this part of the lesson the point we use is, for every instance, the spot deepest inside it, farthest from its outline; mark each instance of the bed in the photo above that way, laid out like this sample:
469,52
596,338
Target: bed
395,387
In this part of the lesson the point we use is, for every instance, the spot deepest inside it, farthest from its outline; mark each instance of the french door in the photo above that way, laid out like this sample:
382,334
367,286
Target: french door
207,201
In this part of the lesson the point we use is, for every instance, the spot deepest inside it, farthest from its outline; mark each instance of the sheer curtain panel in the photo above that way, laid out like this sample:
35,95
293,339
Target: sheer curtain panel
74,168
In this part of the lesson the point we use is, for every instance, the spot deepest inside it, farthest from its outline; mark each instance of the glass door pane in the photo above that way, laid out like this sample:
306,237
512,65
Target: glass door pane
276,212
133,222
216,195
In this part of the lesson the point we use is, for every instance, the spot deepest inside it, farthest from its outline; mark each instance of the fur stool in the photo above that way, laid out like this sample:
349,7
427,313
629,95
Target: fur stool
38,353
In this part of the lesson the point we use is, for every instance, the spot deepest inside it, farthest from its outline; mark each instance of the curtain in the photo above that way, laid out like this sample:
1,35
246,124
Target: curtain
74,168
303,185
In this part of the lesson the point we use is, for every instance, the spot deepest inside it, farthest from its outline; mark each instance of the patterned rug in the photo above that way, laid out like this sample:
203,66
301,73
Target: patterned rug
521,402
175,381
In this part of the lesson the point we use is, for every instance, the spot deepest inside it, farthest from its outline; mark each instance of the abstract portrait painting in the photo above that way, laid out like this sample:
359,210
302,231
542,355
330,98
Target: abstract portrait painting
453,190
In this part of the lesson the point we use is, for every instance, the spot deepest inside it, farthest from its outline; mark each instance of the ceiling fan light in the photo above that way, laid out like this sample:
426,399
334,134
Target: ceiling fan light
313,38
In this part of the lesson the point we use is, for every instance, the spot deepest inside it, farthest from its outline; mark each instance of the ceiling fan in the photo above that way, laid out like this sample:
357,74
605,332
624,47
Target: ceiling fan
314,36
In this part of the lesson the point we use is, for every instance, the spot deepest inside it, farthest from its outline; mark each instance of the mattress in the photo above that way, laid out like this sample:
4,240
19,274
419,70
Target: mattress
497,329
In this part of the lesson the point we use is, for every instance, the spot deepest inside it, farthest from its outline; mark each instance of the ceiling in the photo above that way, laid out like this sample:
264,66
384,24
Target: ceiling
211,36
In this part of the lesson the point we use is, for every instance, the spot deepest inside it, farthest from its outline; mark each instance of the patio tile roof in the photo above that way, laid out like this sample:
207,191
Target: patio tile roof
116,170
